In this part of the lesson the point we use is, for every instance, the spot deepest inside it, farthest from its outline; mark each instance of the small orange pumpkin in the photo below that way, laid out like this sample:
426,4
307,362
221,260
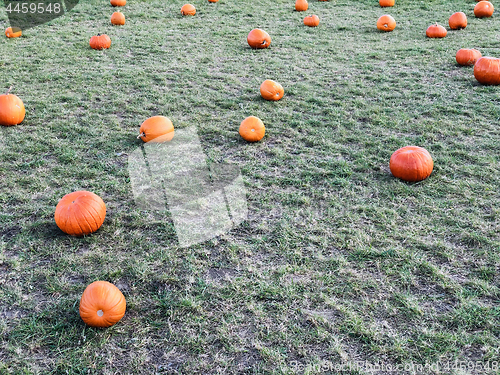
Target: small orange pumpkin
188,10
80,213
118,3
13,32
252,129
12,110
102,304
301,5
213,1
386,23
466,56
411,163
487,70
258,38
483,9
117,18
271,90
157,129
311,21
100,41
436,31
457,21
386,3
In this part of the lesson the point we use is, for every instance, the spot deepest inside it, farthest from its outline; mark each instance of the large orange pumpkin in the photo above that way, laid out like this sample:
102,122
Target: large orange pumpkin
386,23
156,129
117,18
118,3
411,163
13,32
386,3
102,304
483,9
80,213
12,110
487,70
258,38
457,21
466,56
271,90
311,21
301,5
100,41
188,10
252,129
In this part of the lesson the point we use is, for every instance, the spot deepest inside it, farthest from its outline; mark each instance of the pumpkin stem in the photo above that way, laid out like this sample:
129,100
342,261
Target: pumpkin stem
141,135
10,88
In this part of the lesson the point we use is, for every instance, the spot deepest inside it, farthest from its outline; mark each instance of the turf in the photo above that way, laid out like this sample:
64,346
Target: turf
338,263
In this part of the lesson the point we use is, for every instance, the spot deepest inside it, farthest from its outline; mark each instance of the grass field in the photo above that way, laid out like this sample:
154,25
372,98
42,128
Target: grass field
338,263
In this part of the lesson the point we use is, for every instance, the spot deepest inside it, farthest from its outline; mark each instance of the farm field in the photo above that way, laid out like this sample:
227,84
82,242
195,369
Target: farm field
338,263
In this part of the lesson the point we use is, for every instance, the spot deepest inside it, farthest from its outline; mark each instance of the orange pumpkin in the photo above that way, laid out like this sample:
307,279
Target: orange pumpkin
102,304
457,21
386,3
483,9
157,129
311,21
213,1
188,10
80,213
100,41
487,70
118,3
117,18
13,32
258,38
301,5
436,31
386,23
12,110
271,90
466,56
252,129
411,163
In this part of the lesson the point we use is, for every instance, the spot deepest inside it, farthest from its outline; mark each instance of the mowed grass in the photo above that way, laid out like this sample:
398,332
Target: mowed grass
338,262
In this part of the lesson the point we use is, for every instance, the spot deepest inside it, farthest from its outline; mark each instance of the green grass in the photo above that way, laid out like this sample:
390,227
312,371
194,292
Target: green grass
338,261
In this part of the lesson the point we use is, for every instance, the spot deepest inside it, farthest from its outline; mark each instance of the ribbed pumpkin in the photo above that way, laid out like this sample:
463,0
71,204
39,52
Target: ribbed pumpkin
188,10
117,18
258,38
386,3
12,110
436,31
157,129
100,41
386,23
252,129
311,21
118,3
102,304
483,9
457,21
271,90
13,32
80,213
487,70
411,163
466,56
301,5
